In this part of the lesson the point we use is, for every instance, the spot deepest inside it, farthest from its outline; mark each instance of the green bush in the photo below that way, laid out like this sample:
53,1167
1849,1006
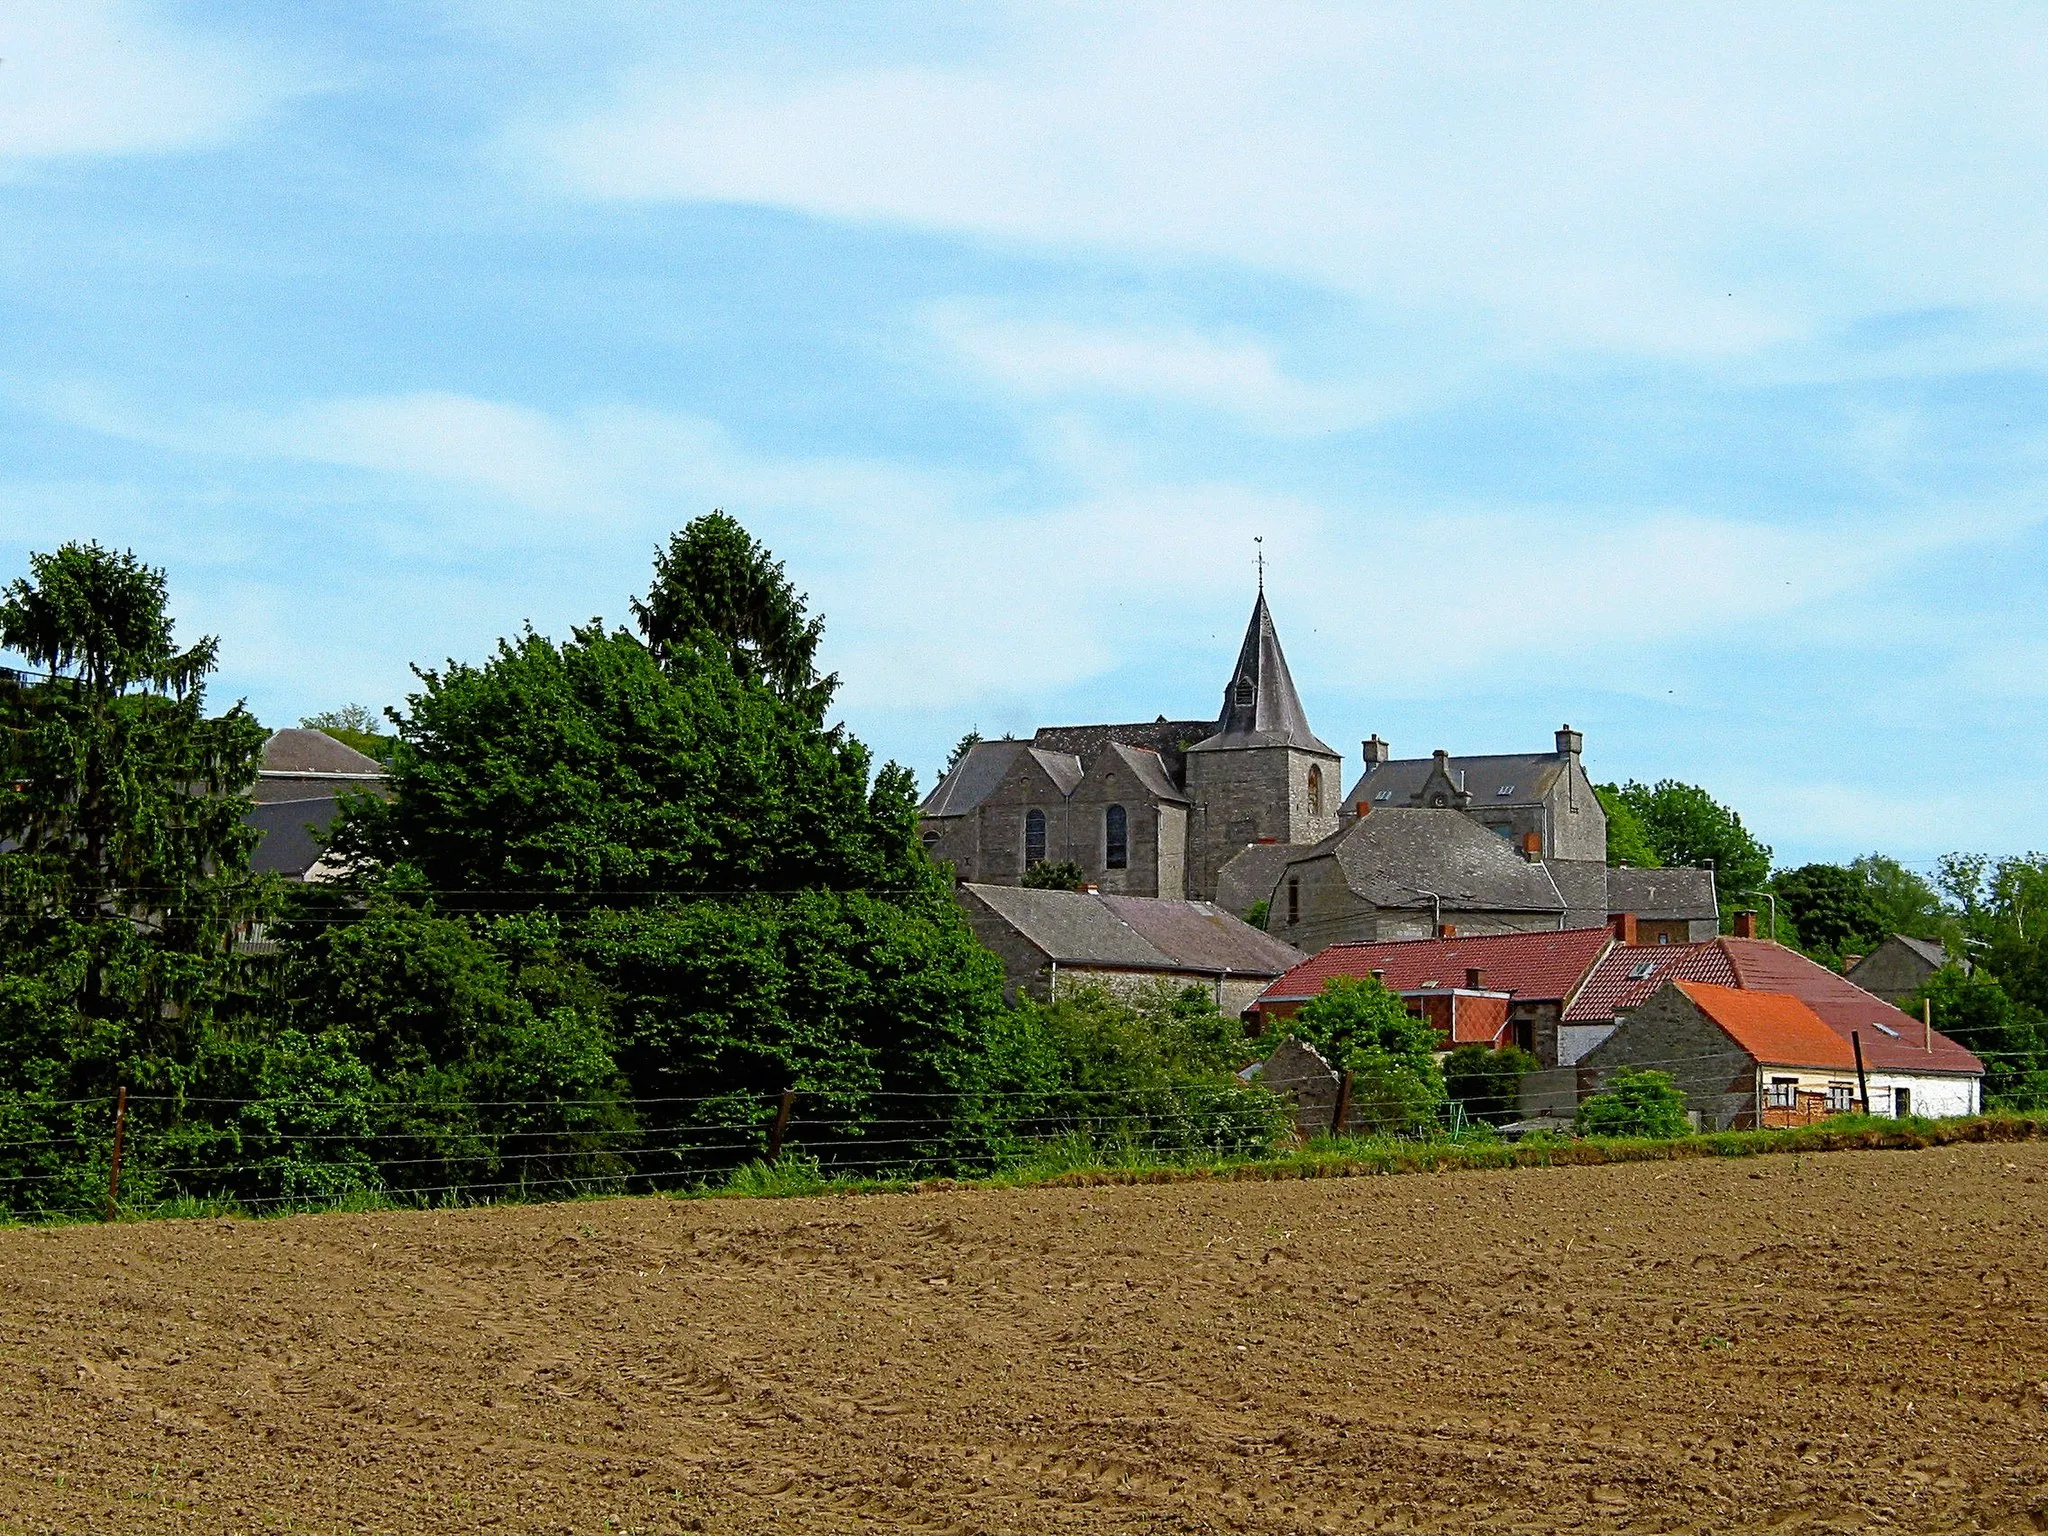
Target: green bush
1486,1082
1635,1103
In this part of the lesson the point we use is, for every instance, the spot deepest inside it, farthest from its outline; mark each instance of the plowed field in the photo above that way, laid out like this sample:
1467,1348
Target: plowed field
1825,1343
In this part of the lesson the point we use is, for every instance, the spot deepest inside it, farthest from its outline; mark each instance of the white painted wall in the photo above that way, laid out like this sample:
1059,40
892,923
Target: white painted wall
1936,1095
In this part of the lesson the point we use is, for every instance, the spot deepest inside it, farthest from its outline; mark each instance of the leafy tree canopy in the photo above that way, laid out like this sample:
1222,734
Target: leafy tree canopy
1487,1082
1053,875
715,589
1904,902
1687,827
354,725
1364,1028
1831,908
2011,1036
1627,840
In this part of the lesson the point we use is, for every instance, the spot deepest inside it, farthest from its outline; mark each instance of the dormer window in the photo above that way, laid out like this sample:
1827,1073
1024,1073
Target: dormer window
1116,838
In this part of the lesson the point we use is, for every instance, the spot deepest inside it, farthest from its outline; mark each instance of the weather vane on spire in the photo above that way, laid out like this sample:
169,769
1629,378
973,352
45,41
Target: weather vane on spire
1259,544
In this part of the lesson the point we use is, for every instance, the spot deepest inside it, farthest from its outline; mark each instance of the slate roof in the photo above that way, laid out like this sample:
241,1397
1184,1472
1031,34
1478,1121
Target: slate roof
987,763
1777,1029
1892,1041
1527,775
287,846
1251,874
1670,895
1583,883
1149,771
299,750
1170,739
1062,768
1137,932
1391,858
1539,967
1260,706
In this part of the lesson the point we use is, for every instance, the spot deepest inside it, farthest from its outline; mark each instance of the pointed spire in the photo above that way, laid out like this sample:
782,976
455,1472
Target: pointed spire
1260,706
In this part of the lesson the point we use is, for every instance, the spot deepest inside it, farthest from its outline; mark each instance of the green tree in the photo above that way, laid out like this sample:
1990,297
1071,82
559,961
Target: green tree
1687,827
2001,911
1628,842
2011,1037
1904,901
1831,908
1054,875
715,589
1364,1028
961,748
1634,1103
1487,1082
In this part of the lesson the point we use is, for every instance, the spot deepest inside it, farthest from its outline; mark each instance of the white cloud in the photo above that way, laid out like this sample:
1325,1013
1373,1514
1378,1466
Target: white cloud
102,77
1239,377
1639,177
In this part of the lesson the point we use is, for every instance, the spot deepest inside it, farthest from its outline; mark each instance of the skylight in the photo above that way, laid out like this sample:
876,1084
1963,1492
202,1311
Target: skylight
1886,1028
1505,789
1643,971
1385,794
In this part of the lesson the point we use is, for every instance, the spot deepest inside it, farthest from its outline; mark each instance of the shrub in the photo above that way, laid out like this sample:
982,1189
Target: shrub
1487,1082
1362,1027
1635,1103
1061,875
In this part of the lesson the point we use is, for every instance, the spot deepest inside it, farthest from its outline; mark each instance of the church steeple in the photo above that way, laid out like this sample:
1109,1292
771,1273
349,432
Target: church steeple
1260,706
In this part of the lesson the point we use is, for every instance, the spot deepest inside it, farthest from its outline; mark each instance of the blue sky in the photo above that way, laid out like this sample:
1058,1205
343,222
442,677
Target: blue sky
1681,376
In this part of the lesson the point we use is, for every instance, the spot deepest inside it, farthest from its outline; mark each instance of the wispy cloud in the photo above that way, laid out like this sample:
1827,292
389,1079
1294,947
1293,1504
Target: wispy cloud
107,77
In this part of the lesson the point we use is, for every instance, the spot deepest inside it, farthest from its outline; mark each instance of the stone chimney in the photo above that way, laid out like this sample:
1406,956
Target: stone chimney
1374,752
1570,743
1745,925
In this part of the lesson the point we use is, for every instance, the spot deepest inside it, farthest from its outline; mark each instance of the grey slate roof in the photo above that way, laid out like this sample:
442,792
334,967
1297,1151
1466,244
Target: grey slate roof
1169,738
1929,950
1149,771
1668,894
1587,886
298,750
1526,775
1251,875
1392,857
1137,932
1063,769
1260,706
974,778
287,847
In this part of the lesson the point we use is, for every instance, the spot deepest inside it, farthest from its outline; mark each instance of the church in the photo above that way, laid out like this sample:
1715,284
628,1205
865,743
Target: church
1248,809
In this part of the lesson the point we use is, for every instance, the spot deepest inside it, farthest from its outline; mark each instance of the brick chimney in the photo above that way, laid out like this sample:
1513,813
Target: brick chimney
1532,846
1447,930
1364,809
1745,925
1570,743
1374,752
1472,975
1624,925
1091,889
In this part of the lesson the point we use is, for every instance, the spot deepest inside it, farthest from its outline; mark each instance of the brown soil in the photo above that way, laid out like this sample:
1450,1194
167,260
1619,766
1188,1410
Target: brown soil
1804,1344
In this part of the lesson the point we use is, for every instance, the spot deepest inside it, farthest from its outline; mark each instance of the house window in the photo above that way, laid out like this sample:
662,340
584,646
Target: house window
1315,790
931,839
1784,1093
1902,1102
1841,1098
1034,839
1116,838
1293,902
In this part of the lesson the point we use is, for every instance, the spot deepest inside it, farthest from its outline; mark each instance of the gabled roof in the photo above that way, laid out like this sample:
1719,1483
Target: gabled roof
1776,1028
1136,932
1062,768
1145,767
1251,875
1892,1041
1667,894
1631,972
1260,706
984,767
1539,967
299,750
1398,858
1169,738
1526,776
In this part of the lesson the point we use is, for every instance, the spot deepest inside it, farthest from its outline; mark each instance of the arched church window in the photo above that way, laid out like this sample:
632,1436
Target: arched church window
1116,838
1293,902
1034,838
1315,790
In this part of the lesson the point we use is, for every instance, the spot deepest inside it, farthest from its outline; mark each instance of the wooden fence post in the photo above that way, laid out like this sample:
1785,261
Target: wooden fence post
114,1171
1343,1109
1862,1082
781,1123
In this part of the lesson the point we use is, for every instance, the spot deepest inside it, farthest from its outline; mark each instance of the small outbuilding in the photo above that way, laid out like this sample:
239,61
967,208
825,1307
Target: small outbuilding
1898,968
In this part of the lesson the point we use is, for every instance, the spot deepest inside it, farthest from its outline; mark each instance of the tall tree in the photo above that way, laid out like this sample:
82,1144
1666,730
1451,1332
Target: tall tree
127,868
714,588
1904,901
1689,827
1627,841
1830,906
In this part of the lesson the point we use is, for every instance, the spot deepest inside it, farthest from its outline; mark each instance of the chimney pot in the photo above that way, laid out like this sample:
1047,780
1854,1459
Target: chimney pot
1379,973
1374,751
1364,808
1745,924
1091,888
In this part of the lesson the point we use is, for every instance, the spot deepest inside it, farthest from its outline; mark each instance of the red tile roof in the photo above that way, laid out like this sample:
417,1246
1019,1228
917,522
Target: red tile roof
1540,966
1631,972
1892,1041
1777,1029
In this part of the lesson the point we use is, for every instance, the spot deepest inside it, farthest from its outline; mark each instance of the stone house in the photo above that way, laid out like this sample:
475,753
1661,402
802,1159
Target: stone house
1147,809
1540,803
1051,942
1899,967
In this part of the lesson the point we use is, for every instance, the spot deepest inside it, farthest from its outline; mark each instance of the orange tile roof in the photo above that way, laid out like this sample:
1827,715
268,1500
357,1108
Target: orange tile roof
1777,1029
